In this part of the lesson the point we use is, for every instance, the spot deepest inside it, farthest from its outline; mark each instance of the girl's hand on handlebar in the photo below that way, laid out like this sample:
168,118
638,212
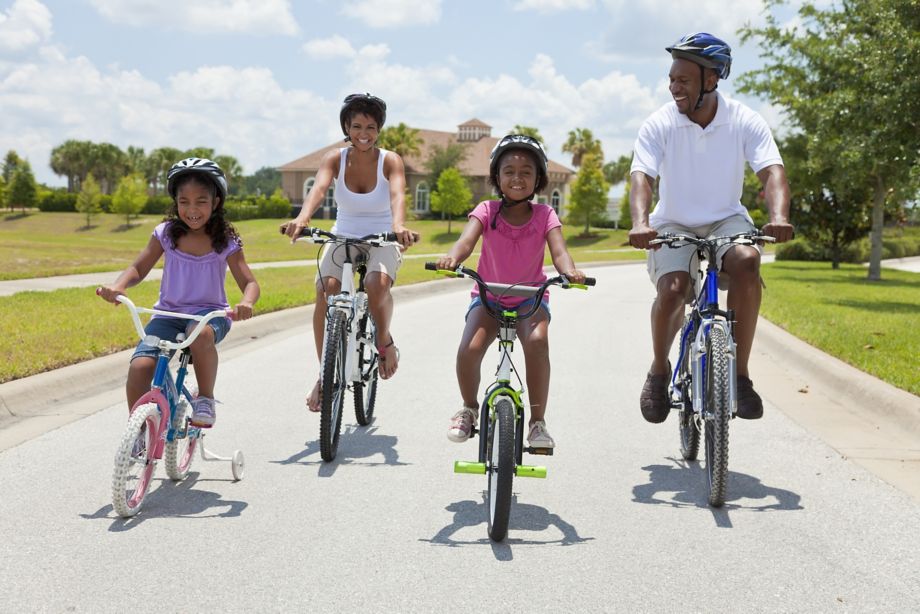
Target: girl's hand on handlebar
242,311
447,263
108,293
575,276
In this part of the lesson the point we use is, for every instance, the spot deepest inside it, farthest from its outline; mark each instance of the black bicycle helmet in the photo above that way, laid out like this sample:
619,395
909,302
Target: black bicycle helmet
362,103
199,166
527,143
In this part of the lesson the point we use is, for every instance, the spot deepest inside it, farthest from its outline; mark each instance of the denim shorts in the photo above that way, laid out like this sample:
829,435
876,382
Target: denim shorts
169,329
522,308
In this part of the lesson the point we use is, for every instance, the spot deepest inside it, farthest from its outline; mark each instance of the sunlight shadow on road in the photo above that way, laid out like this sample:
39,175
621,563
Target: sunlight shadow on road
172,500
524,517
354,443
685,484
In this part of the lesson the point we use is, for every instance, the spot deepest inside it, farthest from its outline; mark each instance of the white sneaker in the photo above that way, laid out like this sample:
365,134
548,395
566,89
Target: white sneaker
203,413
539,437
462,424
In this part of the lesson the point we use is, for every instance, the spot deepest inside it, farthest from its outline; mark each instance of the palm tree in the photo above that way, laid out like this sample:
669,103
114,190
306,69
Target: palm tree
162,158
232,169
530,131
580,142
400,139
617,172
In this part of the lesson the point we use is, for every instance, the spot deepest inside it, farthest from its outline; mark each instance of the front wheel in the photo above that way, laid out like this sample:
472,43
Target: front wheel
718,406
500,469
365,391
180,451
134,462
334,386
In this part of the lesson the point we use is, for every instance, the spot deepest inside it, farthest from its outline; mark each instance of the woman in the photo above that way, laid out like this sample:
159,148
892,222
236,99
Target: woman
370,186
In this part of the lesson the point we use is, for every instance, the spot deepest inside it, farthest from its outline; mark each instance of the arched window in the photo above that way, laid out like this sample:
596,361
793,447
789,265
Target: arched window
330,198
307,186
556,201
422,197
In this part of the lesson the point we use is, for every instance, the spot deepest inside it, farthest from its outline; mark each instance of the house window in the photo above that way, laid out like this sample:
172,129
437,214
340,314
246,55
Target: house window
422,197
330,198
556,201
307,186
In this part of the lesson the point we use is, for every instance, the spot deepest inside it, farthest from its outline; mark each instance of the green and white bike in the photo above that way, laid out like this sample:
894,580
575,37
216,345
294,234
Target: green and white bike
502,417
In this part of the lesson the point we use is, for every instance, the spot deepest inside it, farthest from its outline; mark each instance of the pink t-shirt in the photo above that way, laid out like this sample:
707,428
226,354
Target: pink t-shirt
513,254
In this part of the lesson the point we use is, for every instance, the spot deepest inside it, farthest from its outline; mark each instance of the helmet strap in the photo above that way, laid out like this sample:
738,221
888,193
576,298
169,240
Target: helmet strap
506,202
703,90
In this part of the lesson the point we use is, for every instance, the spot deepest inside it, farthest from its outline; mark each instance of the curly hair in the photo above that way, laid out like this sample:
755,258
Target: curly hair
363,107
218,228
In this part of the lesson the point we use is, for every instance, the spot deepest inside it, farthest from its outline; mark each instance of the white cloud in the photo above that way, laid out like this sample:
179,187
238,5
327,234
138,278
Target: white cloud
553,6
243,16
329,48
393,13
26,24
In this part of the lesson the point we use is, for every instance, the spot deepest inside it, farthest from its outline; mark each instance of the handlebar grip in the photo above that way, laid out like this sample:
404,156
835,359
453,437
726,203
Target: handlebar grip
431,266
590,281
305,231
390,236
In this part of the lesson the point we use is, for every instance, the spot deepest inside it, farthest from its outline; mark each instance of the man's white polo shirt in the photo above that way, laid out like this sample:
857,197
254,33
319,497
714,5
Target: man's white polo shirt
702,169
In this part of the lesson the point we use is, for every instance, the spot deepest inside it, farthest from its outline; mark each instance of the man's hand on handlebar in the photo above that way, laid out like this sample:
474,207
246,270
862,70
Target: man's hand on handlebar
640,235
781,231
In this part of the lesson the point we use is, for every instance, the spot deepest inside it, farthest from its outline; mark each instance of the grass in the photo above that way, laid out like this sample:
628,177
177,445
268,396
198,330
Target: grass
874,326
44,244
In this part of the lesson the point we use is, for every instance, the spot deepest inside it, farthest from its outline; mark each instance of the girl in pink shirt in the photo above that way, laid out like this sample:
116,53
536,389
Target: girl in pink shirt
199,245
515,233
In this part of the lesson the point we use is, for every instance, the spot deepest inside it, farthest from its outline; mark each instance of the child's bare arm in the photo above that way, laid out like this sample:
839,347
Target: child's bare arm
135,273
464,246
562,260
247,284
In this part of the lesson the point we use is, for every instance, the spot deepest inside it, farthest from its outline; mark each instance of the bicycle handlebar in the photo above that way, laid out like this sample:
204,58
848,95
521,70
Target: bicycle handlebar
171,345
519,290
675,240
318,235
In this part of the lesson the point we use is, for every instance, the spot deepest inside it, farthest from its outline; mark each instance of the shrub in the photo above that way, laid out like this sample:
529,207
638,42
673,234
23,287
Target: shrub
58,200
157,205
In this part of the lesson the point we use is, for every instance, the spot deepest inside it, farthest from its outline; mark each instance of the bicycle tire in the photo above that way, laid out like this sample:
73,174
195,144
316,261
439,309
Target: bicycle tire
500,468
180,453
365,391
686,422
717,397
334,386
133,472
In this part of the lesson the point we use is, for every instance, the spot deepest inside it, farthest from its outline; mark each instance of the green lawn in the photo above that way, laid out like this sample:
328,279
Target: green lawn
874,326
43,244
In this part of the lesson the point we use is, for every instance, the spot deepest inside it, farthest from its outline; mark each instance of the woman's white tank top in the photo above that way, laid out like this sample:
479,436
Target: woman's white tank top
362,214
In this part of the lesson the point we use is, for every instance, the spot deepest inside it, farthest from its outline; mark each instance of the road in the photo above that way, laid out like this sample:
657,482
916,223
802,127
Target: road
620,524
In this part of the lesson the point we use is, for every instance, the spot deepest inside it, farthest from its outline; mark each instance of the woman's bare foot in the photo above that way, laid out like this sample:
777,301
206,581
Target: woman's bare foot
389,359
314,401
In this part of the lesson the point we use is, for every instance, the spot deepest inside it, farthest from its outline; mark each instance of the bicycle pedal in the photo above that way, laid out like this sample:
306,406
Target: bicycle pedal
539,451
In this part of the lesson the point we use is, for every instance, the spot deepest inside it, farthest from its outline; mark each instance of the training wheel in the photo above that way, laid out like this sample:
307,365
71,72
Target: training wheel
237,465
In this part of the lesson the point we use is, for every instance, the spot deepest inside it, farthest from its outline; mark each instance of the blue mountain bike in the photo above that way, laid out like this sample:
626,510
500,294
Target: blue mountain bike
703,387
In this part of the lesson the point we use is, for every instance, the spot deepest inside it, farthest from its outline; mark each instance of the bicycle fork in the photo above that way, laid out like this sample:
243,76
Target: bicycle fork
698,366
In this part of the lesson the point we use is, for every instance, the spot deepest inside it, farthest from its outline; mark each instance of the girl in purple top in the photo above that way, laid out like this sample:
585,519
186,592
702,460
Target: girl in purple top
199,245
515,233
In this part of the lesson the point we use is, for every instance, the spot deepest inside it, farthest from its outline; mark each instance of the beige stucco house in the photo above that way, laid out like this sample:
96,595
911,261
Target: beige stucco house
297,177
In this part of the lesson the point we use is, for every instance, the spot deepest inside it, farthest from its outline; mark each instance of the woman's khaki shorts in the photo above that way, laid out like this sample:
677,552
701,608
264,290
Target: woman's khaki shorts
386,260
665,260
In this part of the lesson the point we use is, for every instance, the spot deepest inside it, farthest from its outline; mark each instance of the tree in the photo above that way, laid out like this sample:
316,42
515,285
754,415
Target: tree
581,141
588,200
161,160
22,191
89,200
130,196
453,195
232,169
11,163
846,78
199,152
264,181
72,159
617,171
137,159
529,131
400,139
442,158
108,164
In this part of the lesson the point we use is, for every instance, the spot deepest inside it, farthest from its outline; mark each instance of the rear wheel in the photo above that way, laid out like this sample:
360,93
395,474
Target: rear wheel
500,469
134,462
180,451
717,403
365,391
334,386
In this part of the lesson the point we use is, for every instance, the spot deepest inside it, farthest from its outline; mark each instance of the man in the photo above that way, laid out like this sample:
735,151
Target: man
699,144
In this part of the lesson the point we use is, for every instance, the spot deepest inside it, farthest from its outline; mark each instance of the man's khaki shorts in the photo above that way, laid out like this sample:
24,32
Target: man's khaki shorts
666,260
386,260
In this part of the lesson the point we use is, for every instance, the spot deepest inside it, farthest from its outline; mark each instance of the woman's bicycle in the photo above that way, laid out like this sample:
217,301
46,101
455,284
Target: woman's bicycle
350,356
703,386
502,417
159,426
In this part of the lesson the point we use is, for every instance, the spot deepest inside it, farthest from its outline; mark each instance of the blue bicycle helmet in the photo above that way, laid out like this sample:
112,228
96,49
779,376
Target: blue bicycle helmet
705,50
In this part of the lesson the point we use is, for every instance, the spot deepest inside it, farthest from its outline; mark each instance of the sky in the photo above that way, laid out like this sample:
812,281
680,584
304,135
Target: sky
263,80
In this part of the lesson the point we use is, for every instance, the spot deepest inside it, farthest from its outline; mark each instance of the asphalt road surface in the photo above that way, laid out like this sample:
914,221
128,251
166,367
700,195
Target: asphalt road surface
620,524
